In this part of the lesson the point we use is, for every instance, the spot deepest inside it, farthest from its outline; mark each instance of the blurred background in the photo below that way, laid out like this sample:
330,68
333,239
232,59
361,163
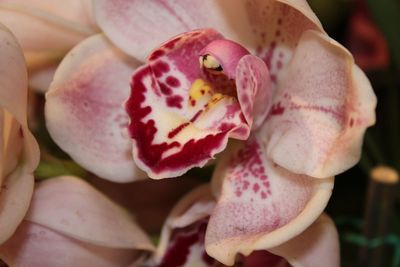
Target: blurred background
367,210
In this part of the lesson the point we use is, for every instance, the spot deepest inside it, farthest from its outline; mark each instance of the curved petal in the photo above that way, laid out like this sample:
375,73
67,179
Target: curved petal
254,89
36,245
178,120
323,114
15,195
20,152
125,22
193,207
322,247
34,21
87,215
84,112
278,26
261,205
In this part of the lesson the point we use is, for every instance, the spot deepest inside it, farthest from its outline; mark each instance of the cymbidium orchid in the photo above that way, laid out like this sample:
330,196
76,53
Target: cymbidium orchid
70,223
19,153
262,72
47,30
182,240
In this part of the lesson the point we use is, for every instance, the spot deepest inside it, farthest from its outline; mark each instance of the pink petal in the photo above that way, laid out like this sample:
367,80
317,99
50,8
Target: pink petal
254,89
152,22
277,26
20,152
84,112
33,22
15,195
171,130
320,111
72,207
37,245
261,204
316,246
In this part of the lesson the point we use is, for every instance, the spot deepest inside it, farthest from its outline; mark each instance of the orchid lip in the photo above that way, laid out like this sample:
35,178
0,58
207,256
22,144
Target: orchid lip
183,113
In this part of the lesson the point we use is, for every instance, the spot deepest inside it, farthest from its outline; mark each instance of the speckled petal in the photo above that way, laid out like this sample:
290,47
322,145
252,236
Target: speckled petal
20,150
321,109
277,26
37,245
70,206
261,205
32,22
321,249
254,89
84,109
178,119
152,22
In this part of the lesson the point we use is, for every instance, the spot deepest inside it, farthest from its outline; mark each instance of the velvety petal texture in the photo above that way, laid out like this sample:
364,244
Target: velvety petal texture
135,26
34,21
36,245
70,223
316,124
181,113
261,205
318,245
87,215
84,112
19,150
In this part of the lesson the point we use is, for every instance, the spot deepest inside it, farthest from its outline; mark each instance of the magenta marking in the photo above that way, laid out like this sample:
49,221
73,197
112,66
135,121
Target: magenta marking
174,101
165,89
198,113
171,44
246,169
172,81
180,246
177,130
192,153
268,57
351,123
159,68
339,116
277,109
157,54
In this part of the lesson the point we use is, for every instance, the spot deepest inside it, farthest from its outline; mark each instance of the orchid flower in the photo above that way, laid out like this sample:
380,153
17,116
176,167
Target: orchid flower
72,224
261,72
303,91
19,152
47,30
182,240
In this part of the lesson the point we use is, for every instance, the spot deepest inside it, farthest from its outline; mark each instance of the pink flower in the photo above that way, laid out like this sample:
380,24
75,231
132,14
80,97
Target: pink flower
70,223
19,150
270,78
